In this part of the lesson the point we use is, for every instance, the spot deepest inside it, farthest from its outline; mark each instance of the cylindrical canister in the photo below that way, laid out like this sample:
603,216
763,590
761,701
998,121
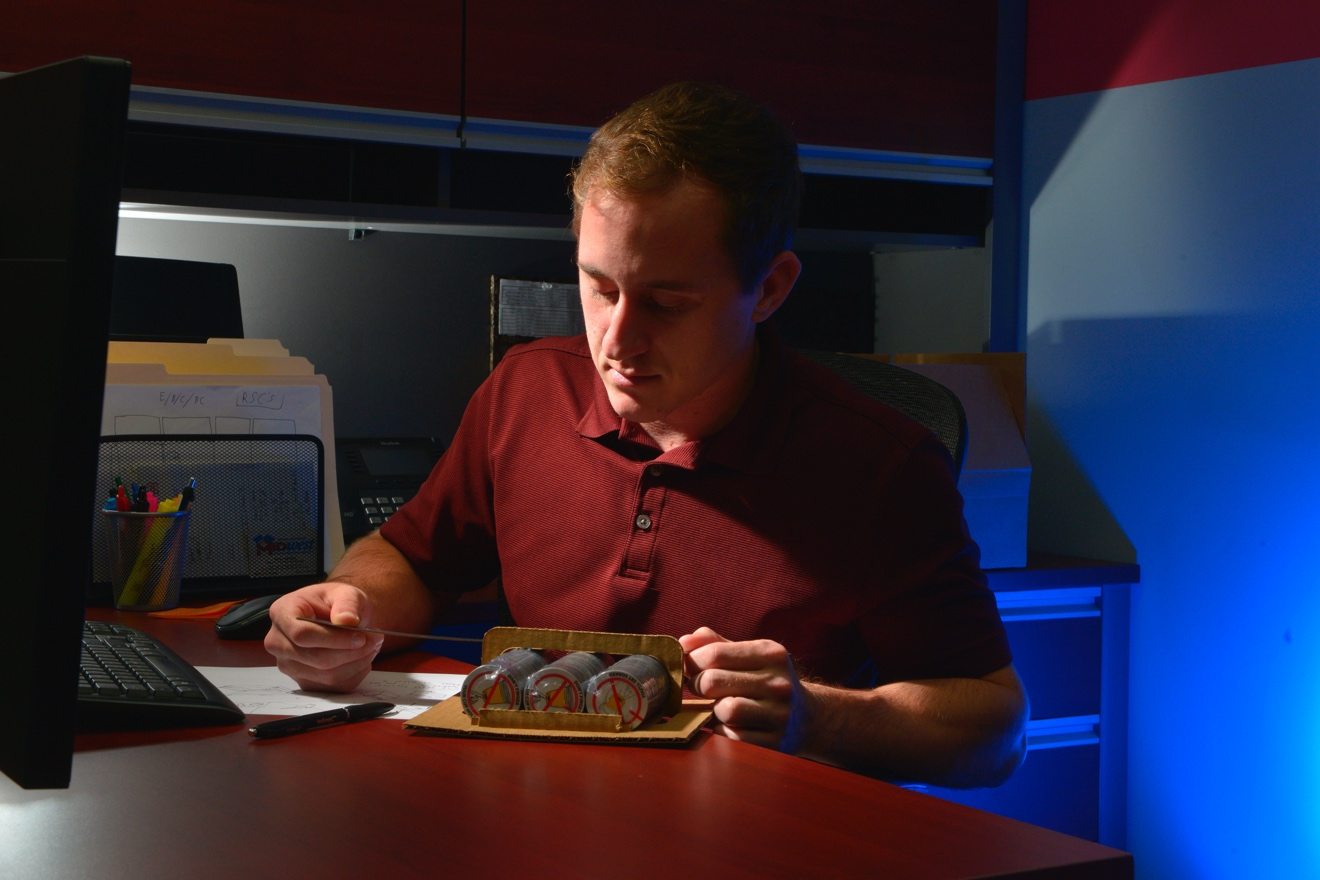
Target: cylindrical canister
498,684
636,688
559,686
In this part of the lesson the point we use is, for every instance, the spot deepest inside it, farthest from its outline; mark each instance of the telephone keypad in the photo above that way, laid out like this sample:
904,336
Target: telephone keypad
379,508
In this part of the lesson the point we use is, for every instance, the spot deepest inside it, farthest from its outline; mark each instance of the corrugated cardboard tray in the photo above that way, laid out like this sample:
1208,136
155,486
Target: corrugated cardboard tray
678,722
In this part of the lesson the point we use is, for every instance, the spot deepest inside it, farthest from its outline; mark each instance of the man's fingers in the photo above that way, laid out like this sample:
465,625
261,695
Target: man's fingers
759,684
309,636
316,656
763,738
753,717
702,636
694,641
342,678
338,603
348,608
745,656
334,653
751,682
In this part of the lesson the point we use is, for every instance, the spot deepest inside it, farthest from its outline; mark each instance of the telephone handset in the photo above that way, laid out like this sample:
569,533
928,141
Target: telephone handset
377,474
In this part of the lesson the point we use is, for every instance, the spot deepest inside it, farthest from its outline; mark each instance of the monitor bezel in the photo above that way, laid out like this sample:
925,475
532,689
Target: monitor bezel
61,159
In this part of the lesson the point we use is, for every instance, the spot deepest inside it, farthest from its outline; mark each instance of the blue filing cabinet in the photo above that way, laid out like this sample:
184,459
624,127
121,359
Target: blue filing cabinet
1067,620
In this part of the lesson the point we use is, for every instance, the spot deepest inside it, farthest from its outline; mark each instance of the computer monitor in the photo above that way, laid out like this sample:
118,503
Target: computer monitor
159,300
61,156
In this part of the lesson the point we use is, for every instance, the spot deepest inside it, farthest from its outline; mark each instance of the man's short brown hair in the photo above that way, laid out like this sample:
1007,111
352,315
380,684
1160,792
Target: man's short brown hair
715,137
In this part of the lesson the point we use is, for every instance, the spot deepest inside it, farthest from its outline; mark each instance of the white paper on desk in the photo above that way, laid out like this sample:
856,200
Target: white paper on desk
264,690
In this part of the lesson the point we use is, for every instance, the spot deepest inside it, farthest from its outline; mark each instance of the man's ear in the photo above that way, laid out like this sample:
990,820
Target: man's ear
776,285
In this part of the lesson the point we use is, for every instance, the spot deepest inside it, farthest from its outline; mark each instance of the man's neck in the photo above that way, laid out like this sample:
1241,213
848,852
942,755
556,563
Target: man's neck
670,434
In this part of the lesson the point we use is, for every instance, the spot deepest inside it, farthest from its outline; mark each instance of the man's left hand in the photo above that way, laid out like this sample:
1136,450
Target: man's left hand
758,698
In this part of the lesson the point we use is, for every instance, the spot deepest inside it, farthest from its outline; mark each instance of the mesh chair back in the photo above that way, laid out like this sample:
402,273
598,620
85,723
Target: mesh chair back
920,398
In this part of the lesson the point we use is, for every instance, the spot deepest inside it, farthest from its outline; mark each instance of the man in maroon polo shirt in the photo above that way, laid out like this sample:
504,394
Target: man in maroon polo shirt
678,470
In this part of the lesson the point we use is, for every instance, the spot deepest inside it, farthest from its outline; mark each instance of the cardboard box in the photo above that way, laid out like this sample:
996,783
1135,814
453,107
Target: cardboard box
678,722
996,475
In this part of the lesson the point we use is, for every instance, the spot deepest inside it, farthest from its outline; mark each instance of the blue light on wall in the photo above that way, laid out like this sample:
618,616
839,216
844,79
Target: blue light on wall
1174,382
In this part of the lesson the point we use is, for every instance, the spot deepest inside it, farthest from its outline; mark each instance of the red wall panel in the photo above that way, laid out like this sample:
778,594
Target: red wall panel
1084,47
402,55
881,74
916,77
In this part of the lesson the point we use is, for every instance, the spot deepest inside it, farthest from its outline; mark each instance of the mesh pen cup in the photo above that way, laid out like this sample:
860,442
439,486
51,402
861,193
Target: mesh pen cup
146,553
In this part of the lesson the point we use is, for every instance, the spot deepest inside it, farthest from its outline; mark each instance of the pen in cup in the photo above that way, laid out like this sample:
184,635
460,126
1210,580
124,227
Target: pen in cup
155,544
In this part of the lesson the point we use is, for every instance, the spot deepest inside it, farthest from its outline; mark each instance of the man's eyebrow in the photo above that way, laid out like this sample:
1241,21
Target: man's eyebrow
658,284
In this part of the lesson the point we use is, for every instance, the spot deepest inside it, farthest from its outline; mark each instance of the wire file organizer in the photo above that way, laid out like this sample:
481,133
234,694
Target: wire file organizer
258,518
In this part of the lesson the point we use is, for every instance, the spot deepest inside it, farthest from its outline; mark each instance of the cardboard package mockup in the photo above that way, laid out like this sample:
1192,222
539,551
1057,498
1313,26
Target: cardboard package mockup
677,723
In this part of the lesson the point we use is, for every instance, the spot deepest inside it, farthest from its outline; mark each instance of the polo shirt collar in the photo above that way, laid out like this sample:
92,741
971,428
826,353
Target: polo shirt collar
600,420
751,442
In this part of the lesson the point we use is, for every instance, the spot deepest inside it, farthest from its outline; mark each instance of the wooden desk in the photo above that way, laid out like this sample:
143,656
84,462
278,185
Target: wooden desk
371,800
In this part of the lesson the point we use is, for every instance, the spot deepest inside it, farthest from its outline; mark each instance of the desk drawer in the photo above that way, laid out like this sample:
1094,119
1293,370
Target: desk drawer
1059,661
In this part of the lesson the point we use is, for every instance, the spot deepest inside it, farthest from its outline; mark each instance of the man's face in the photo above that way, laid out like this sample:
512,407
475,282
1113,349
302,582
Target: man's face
670,329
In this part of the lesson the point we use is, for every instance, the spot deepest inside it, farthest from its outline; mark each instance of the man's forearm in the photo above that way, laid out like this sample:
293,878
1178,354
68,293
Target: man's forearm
953,732
400,600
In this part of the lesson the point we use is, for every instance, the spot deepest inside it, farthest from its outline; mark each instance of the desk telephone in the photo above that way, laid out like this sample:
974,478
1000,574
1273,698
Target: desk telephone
378,474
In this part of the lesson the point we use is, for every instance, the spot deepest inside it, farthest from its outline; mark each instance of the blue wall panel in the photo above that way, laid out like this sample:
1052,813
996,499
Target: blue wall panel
1173,319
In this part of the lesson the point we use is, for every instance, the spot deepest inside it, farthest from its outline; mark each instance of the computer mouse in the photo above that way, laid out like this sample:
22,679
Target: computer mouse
250,620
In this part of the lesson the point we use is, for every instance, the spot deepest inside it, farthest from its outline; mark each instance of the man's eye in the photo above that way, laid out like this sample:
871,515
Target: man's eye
668,306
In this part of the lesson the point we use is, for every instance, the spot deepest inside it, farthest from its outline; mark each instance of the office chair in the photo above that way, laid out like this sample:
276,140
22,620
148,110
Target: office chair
920,398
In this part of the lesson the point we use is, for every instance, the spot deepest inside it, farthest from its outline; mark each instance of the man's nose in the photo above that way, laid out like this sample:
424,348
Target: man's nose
626,336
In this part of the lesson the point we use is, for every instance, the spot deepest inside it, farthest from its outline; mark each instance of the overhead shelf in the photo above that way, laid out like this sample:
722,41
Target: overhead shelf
226,158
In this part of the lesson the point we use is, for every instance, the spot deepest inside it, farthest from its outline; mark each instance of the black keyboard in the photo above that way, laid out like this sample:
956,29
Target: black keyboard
129,679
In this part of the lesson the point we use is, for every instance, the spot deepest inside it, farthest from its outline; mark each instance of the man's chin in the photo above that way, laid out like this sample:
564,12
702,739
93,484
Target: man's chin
626,406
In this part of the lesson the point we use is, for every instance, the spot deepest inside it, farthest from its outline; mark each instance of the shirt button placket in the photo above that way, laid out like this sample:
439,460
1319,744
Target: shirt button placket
641,541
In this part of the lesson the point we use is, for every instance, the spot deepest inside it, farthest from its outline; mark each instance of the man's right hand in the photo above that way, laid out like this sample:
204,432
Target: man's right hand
321,658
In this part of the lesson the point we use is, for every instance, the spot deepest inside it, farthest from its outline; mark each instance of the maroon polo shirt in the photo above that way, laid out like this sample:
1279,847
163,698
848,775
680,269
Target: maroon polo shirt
817,517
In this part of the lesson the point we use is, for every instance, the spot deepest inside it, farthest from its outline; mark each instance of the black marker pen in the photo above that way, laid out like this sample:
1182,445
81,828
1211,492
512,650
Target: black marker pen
302,723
